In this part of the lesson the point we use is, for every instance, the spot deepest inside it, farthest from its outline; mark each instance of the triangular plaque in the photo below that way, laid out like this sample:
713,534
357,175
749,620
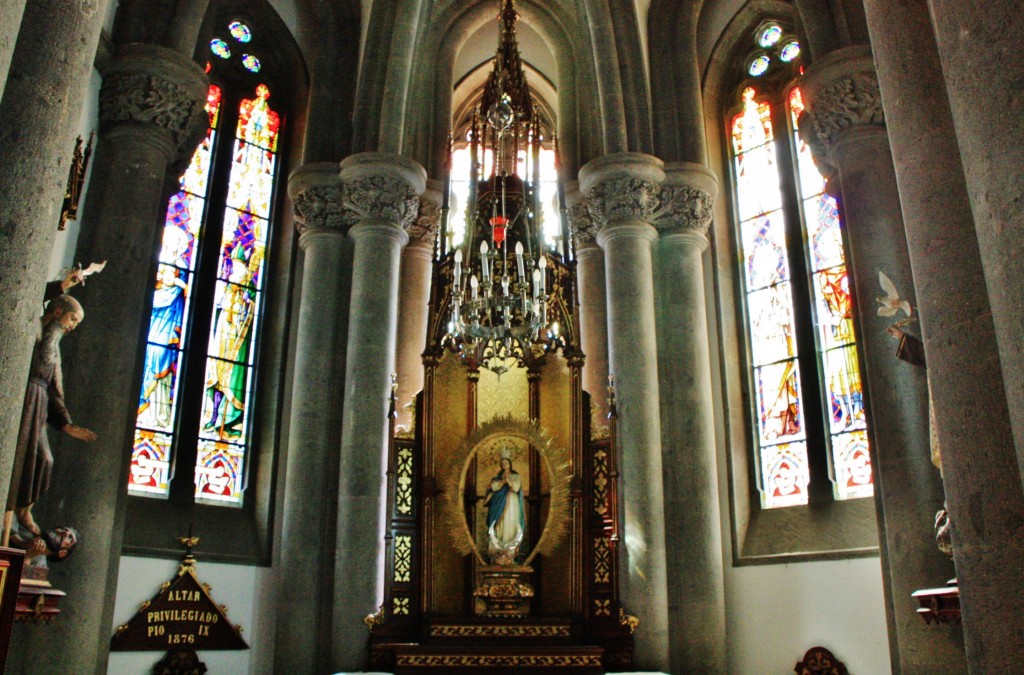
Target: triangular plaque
182,616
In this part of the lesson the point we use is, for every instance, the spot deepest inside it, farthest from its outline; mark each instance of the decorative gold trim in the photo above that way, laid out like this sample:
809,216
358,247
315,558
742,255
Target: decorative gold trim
495,660
628,620
375,619
500,630
557,461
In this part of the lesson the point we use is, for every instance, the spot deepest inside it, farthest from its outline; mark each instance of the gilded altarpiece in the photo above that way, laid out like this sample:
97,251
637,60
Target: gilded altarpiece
474,426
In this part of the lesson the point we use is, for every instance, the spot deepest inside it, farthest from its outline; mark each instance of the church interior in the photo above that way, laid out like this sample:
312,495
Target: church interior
481,336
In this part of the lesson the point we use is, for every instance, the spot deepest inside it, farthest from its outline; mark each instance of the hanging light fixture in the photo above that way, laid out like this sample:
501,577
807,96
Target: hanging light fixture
499,271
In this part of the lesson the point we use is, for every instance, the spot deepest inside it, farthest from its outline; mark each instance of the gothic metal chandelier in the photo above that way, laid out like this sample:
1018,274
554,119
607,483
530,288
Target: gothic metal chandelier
499,271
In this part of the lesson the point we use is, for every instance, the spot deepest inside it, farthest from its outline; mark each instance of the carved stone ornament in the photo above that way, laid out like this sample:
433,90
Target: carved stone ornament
427,221
319,207
151,99
379,197
622,199
681,207
845,103
582,224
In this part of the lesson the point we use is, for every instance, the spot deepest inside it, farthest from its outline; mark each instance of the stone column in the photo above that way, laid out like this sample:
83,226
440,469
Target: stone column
308,532
983,86
693,539
46,82
968,397
593,311
151,113
10,18
413,302
847,124
622,191
380,200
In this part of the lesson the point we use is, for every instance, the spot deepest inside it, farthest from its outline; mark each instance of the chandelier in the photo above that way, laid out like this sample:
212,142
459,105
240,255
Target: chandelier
498,309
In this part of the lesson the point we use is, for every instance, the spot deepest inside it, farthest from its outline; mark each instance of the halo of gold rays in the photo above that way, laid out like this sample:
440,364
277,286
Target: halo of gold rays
489,439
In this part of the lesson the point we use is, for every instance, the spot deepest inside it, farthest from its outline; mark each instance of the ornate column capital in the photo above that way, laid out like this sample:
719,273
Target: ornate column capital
150,85
622,187
381,186
686,198
841,93
581,223
424,227
315,191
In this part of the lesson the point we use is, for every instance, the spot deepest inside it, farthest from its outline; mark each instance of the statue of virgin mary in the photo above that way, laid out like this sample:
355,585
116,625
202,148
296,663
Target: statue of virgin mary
506,517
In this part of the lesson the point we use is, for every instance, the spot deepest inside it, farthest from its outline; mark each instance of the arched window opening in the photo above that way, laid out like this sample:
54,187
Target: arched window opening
803,369
195,405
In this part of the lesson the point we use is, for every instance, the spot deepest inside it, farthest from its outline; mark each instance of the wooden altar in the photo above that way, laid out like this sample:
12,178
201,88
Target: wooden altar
561,606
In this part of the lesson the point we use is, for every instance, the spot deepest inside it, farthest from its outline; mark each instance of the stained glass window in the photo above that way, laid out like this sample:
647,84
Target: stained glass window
837,348
251,63
783,311
239,31
220,48
228,301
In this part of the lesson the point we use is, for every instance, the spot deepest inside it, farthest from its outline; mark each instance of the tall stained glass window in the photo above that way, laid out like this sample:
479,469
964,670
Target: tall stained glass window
804,377
195,405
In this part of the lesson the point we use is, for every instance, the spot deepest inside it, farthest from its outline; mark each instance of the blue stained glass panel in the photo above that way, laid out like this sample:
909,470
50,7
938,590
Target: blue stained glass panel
764,251
824,234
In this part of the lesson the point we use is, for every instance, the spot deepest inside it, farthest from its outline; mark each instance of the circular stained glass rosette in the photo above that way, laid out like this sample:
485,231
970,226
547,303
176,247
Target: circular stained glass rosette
251,63
220,48
769,35
759,65
240,31
790,51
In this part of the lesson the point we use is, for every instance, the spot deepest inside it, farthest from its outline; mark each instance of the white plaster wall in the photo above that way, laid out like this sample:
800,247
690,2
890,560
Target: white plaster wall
247,592
775,613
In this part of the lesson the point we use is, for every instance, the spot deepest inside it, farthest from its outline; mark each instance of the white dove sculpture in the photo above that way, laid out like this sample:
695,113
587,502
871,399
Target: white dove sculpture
892,302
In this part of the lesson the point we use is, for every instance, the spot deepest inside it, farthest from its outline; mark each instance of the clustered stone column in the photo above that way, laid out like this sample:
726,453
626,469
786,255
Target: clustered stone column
969,398
380,200
846,127
693,540
593,312
622,191
983,86
151,115
48,75
311,480
413,303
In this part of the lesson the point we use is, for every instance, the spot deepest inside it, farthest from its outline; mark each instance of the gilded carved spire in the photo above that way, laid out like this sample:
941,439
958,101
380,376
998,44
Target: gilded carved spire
508,78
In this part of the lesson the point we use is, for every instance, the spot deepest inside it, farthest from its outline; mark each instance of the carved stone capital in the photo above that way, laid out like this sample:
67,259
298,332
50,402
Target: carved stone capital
582,224
622,187
380,186
315,190
841,92
151,85
681,207
621,199
428,216
686,198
